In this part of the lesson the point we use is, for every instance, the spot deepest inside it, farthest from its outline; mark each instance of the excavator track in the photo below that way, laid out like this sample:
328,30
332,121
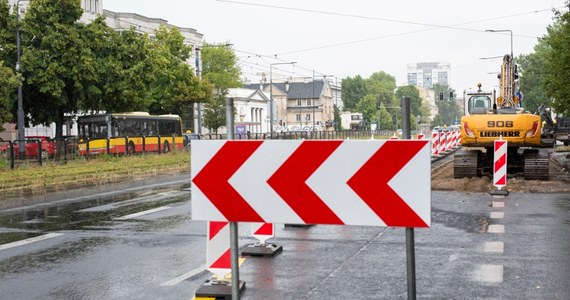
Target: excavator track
465,164
536,165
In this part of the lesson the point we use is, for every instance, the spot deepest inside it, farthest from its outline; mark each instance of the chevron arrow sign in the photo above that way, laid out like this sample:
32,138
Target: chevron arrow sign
344,182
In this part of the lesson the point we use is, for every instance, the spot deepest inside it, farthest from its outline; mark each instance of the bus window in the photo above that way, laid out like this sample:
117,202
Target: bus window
478,104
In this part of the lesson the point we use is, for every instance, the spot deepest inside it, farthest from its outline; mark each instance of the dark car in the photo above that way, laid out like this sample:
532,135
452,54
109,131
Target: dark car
188,137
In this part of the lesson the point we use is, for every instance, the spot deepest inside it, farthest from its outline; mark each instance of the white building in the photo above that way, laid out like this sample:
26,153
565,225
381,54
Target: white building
427,74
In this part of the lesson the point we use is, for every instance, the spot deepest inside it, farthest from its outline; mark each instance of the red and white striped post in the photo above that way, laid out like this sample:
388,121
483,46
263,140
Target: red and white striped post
441,142
434,143
262,231
218,249
500,164
420,136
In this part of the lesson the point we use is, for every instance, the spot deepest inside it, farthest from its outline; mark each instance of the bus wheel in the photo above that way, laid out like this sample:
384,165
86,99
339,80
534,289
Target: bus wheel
166,147
131,149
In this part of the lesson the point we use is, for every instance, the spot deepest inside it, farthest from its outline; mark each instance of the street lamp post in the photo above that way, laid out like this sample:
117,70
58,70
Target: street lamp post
271,92
20,114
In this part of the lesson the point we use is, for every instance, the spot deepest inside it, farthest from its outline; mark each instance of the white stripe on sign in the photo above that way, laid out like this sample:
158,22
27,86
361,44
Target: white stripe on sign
497,215
489,273
494,247
30,240
251,181
496,228
142,213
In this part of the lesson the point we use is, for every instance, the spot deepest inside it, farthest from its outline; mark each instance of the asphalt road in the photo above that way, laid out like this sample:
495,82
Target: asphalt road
143,244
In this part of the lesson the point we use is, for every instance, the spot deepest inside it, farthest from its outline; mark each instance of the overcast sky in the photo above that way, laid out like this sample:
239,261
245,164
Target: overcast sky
360,37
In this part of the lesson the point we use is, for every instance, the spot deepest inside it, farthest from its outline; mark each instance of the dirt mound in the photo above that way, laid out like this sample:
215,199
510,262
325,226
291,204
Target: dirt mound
442,180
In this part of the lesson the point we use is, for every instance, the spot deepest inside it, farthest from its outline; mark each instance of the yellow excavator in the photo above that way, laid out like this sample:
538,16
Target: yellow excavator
488,118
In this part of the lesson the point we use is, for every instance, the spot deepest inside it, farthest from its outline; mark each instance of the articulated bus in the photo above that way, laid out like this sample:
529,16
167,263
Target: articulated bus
129,133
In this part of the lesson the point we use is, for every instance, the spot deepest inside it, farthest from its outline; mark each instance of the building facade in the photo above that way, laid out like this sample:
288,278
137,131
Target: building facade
427,74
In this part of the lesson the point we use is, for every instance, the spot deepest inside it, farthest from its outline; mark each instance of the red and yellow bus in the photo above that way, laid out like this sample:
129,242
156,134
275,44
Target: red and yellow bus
129,133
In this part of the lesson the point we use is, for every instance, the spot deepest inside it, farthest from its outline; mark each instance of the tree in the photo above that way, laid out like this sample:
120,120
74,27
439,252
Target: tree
415,99
55,82
532,69
448,110
176,86
557,61
220,69
379,82
353,91
8,84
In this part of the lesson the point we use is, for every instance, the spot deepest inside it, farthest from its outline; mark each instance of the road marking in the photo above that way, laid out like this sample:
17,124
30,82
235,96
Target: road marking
489,273
142,213
496,228
494,247
498,204
194,272
29,241
184,276
497,215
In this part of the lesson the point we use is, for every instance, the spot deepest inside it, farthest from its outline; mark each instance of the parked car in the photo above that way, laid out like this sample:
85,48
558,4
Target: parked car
48,147
188,137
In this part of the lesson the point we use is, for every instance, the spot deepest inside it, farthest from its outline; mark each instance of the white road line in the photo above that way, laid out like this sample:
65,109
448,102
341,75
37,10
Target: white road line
142,213
498,204
489,273
494,247
497,215
496,228
29,241
185,276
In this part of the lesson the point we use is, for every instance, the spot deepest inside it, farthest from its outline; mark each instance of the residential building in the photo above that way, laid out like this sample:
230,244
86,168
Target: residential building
300,105
427,74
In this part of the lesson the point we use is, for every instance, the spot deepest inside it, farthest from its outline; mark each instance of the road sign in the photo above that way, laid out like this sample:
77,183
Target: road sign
500,164
350,182
218,249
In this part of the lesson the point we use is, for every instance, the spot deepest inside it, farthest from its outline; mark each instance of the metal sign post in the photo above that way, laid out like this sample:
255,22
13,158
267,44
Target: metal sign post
410,244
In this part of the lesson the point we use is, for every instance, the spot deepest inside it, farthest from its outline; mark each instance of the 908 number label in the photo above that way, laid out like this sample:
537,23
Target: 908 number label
500,124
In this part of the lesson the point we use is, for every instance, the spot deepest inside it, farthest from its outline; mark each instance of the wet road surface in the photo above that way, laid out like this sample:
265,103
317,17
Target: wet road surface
144,245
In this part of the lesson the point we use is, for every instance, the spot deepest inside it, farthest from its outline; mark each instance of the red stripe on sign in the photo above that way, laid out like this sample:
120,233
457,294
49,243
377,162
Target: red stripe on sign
224,262
265,229
371,183
215,227
289,182
500,162
502,181
212,180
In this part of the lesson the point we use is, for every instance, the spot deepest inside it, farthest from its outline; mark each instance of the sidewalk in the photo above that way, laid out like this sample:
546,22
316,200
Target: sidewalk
91,192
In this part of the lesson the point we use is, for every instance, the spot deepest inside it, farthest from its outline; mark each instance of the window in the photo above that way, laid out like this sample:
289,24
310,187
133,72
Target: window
299,102
308,117
298,117
309,102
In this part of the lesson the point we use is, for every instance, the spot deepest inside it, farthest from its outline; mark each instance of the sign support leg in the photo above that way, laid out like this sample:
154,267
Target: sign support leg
235,259
411,262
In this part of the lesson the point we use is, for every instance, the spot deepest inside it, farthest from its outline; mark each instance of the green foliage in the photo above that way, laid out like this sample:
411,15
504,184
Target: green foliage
52,47
532,69
415,99
557,60
380,82
448,110
220,68
353,91
8,84
175,86
337,120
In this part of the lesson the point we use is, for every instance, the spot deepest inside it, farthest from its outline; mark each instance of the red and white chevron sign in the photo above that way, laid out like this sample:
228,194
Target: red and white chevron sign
345,182
218,258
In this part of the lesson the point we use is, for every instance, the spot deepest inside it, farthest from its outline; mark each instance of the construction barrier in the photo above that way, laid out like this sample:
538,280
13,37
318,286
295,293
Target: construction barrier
500,164
434,143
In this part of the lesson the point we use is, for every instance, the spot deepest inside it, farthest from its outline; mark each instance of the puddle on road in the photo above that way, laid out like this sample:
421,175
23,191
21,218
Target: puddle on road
93,214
